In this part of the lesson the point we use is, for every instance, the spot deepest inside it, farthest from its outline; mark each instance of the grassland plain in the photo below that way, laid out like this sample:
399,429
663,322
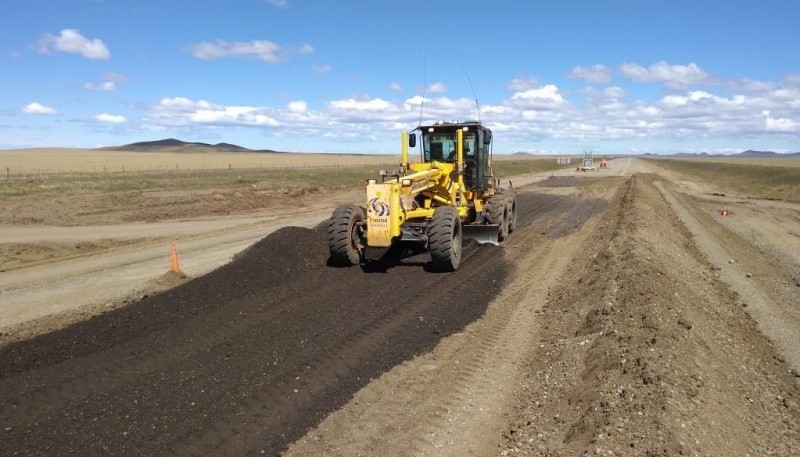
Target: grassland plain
150,195
777,179
64,160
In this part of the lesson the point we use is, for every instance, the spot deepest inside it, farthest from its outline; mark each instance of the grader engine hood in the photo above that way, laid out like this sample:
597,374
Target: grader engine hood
384,215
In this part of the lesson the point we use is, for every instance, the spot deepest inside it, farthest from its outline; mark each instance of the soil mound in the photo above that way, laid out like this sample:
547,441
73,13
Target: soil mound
240,360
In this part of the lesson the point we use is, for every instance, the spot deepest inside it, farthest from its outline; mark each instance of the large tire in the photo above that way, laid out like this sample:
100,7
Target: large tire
345,229
512,214
497,209
444,239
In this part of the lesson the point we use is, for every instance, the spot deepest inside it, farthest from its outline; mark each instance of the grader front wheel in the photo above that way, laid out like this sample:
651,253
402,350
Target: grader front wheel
444,239
345,233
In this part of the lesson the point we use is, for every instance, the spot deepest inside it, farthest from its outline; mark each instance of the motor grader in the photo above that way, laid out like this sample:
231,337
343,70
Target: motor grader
449,194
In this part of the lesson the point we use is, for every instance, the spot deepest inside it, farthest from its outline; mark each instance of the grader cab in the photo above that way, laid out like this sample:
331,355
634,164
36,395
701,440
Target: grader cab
449,194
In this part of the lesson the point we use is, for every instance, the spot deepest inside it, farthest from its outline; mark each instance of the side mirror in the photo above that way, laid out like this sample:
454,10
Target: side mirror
487,139
412,140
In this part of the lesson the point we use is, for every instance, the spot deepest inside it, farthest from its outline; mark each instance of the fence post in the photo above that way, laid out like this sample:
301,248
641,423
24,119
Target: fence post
8,173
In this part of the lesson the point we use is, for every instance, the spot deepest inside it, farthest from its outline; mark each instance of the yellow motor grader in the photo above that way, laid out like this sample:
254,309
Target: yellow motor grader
450,194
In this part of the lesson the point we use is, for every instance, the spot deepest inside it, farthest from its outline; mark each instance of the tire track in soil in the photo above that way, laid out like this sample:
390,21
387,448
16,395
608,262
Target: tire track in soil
242,359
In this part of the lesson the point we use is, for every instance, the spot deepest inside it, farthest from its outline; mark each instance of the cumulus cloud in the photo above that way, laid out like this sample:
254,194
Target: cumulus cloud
232,115
282,4
523,83
109,83
781,124
71,41
182,104
321,69
395,87
537,116
264,50
110,118
298,106
38,108
594,74
437,88
178,111
663,72
543,97
105,86
374,105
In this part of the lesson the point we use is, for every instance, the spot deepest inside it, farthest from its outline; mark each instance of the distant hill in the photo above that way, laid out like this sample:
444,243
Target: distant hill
747,153
173,145
752,153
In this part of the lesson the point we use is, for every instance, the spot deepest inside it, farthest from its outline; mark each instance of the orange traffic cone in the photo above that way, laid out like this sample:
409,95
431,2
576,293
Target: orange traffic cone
176,266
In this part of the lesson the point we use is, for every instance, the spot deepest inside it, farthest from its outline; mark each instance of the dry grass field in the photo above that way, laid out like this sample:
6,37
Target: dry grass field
777,179
53,160
81,187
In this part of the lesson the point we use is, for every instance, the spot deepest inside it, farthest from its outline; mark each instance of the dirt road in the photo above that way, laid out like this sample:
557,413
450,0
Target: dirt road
247,357
602,326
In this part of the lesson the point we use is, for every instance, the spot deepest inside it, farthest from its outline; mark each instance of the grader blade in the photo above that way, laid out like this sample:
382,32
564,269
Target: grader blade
482,233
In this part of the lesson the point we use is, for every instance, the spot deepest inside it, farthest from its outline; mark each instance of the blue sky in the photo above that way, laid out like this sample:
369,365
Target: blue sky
617,76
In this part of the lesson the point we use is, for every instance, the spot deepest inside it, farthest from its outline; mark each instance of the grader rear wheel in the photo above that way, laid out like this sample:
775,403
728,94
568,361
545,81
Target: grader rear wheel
345,233
497,213
444,239
512,214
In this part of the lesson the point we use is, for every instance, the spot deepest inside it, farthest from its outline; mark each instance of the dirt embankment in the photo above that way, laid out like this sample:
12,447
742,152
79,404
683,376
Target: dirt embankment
643,351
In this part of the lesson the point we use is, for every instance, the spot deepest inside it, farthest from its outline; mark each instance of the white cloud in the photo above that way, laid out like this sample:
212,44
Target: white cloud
263,50
546,96
182,103
666,73
71,41
537,117
373,105
321,69
437,88
233,115
38,108
523,83
298,106
782,125
282,4
395,87
594,74
105,86
615,92
108,84
110,118
181,111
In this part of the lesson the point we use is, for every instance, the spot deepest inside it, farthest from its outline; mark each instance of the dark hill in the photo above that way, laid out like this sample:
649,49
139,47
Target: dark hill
174,145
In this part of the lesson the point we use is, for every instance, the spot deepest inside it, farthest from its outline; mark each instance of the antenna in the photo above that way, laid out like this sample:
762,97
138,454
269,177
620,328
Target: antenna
477,106
424,84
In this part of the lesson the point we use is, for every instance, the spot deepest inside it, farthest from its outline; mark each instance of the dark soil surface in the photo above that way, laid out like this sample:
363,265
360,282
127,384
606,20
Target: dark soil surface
246,358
